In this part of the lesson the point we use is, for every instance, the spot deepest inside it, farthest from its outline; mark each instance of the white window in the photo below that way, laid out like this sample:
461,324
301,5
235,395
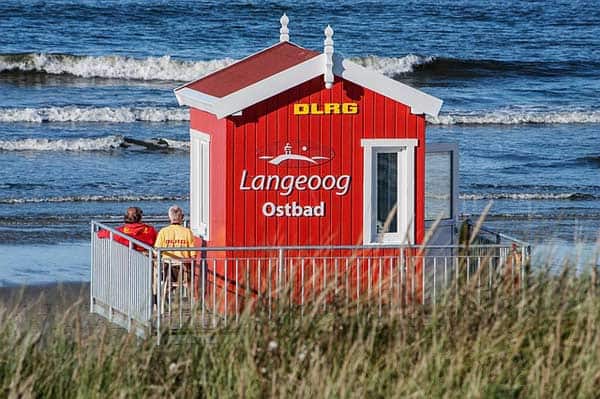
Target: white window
441,182
199,183
389,176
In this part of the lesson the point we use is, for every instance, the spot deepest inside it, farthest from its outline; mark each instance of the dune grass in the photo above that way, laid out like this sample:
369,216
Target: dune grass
544,343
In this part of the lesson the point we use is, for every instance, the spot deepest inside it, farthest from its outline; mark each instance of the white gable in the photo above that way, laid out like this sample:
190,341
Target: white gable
418,101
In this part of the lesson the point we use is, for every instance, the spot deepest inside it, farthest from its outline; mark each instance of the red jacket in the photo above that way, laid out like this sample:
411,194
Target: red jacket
140,231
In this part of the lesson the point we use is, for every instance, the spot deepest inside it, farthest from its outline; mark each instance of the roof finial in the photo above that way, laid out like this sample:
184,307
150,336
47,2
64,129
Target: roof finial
328,50
284,32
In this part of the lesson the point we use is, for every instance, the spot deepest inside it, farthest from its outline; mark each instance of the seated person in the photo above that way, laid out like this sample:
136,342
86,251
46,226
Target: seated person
133,227
175,235
176,261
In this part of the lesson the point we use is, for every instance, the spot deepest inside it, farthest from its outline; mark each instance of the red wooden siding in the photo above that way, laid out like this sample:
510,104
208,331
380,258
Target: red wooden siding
266,127
236,217
207,123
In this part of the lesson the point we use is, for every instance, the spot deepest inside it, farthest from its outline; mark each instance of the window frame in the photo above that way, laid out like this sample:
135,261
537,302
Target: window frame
451,148
200,183
405,213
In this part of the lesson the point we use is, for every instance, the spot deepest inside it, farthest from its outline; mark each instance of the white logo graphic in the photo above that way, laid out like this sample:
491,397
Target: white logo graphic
289,156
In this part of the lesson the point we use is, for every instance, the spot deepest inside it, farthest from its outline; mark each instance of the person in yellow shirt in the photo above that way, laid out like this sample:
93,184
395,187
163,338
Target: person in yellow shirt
175,235
176,263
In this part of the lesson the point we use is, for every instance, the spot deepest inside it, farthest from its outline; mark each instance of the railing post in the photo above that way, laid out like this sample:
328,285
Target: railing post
423,279
214,291
93,265
167,288
412,281
468,268
445,272
270,285
479,279
203,271
335,277
159,291
226,288
434,280
129,287
149,285
522,271
281,261
237,290
110,267
369,279
191,291
180,288
358,284
380,271
401,284
595,265
324,293
391,281
302,287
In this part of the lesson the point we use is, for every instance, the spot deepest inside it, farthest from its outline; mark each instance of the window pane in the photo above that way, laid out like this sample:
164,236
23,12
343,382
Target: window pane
438,185
387,191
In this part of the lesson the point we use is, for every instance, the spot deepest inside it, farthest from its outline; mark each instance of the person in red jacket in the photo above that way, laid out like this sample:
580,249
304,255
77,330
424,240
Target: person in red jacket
133,227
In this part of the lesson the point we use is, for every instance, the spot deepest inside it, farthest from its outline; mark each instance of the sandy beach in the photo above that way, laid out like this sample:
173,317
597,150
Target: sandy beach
47,298
42,306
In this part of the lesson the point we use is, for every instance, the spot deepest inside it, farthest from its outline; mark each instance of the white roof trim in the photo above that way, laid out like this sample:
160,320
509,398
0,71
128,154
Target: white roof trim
419,102
196,99
267,88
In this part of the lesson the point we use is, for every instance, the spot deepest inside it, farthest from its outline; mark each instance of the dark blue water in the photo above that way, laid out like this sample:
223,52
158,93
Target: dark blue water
519,82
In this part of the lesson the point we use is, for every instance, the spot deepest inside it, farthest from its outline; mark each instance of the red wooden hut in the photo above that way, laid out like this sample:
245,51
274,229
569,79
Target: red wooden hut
296,147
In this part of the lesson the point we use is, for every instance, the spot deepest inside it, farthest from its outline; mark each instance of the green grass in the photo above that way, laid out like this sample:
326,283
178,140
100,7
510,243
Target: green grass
544,343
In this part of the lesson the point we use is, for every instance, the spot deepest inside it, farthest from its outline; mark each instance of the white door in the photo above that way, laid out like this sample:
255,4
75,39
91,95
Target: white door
389,190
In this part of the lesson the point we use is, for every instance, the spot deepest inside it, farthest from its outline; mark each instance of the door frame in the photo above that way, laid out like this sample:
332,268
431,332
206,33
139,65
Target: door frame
405,213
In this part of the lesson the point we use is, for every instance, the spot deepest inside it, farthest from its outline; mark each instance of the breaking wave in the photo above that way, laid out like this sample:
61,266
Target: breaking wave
92,198
93,114
515,117
107,143
112,66
168,69
530,196
165,67
419,66
393,66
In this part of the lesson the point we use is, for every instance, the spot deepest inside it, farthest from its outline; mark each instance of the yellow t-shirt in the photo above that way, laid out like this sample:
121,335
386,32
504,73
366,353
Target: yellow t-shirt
174,236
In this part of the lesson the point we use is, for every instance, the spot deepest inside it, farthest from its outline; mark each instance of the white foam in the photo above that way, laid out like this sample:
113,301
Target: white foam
114,66
525,196
93,114
76,144
178,114
107,143
92,198
515,117
165,67
178,145
392,65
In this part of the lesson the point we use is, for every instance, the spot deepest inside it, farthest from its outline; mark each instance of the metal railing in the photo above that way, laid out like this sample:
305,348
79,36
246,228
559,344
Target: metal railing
121,280
149,293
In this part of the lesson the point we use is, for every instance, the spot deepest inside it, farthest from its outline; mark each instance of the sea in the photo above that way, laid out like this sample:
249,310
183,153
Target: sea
89,124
